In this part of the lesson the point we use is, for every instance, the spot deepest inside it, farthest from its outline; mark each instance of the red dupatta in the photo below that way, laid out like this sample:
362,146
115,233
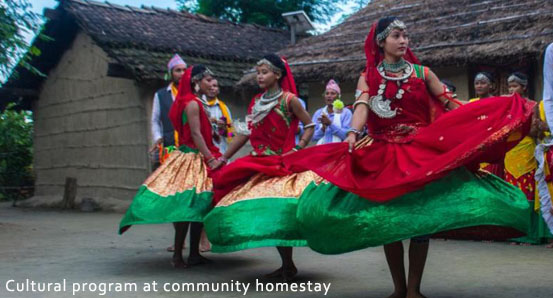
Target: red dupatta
276,133
271,133
177,111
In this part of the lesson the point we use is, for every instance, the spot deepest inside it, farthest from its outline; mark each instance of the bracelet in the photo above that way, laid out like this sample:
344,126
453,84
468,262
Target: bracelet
446,103
211,159
298,147
358,93
361,101
309,125
223,159
355,131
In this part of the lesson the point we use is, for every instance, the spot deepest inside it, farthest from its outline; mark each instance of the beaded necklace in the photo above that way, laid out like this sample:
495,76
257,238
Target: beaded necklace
379,104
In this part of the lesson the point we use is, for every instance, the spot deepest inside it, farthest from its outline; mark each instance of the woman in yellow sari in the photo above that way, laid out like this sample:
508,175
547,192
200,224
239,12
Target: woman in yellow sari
520,169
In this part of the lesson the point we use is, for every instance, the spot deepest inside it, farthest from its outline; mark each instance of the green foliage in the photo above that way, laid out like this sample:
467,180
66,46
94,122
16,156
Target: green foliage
16,21
356,5
16,154
262,12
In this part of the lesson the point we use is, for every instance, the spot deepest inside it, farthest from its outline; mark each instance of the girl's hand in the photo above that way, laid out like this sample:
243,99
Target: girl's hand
351,139
215,164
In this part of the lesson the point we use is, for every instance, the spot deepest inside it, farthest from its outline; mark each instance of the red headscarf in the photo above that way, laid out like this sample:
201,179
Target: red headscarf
373,52
184,97
288,83
374,56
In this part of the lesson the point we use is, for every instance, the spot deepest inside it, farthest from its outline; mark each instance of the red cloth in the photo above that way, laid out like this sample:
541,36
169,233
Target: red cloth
184,97
406,155
276,133
288,83
417,146
526,183
241,170
497,169
270,138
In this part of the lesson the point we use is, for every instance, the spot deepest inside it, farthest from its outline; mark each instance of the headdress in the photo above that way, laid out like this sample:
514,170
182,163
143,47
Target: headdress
395,24
332,85
199,72
176,60
373,53
519,78
484,76
263,106
271,66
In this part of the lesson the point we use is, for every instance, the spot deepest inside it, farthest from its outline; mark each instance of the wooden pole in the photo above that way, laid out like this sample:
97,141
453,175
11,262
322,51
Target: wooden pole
70,193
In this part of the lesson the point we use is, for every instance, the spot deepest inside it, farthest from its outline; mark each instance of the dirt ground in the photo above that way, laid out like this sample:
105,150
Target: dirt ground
52,246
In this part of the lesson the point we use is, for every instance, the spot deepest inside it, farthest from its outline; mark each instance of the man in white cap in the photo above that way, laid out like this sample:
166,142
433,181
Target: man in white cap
332,121
163,133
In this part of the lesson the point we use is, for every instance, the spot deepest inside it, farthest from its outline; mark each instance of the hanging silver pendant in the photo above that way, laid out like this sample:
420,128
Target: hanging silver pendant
381,107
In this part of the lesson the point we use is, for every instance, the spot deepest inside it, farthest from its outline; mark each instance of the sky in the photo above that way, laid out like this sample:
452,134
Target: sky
39,5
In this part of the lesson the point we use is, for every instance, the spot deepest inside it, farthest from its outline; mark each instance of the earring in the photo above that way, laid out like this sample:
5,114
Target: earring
197,88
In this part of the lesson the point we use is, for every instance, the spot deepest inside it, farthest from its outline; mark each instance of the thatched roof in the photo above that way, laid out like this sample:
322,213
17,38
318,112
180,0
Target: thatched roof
442,33
140,41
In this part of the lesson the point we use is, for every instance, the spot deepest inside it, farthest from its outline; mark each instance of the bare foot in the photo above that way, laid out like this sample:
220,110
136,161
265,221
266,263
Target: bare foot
204,243
398,294
199,260
550,245
276,273
172,248
514,243
205,246
415,295
289,274
178,262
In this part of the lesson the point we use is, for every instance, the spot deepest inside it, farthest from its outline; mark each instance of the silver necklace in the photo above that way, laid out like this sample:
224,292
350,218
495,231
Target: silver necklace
268,98
395,66
379,104
264,105
407,72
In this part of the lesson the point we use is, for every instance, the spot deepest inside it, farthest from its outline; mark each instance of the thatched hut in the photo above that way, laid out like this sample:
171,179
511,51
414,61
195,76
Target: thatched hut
456,38
91,113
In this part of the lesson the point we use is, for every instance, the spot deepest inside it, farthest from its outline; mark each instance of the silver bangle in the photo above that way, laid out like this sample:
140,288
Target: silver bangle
355,131
309,125
360,101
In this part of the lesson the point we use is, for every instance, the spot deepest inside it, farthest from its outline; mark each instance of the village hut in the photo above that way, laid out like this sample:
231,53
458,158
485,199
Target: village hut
104,63
456,38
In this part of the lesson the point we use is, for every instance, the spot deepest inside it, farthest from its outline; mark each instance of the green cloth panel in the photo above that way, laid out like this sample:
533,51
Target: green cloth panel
253,223
186,149
148,207
334,221
539,232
